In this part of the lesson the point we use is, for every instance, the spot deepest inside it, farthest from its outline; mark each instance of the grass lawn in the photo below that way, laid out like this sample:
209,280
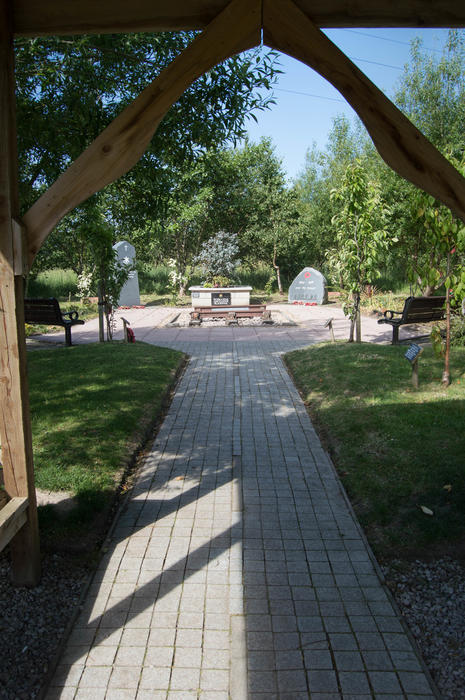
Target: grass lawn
396,448
91,406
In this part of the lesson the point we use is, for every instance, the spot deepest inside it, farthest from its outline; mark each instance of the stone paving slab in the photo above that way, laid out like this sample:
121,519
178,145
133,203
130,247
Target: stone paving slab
237,569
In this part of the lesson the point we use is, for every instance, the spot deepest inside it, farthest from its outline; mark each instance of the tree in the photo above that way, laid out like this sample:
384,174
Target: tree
70,88
361,237
432,92
445,236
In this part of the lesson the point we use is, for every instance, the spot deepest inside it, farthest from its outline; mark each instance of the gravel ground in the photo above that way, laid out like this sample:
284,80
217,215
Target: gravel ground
32,622
431,597
278,318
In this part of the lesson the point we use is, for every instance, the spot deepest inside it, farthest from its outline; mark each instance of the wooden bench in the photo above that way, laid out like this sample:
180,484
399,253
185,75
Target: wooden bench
416,310
231,312
48,312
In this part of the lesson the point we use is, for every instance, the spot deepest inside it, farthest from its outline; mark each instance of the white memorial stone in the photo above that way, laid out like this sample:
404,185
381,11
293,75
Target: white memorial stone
309,287
220,296
126,253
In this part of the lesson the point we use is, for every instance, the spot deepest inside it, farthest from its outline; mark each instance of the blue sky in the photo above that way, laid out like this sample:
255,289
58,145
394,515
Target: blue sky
307,104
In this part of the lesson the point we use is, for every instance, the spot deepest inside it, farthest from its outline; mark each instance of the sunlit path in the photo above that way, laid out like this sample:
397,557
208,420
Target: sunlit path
237,569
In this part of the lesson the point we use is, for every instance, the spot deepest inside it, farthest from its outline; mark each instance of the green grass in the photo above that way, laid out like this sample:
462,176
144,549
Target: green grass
53,283
89,407
395,447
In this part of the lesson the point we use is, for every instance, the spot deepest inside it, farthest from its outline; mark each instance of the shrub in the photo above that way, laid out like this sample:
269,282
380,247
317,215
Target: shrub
218,256
457,334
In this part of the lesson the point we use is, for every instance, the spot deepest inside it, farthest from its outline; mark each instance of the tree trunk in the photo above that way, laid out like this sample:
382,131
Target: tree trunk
278,274
101,327
358,320
446,372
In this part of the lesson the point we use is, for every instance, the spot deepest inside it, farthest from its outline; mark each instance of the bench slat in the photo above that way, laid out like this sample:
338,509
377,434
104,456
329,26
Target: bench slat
48,312
416,310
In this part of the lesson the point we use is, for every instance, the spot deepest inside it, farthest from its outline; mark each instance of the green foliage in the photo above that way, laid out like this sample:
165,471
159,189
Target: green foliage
360,234
70,88
95,420
154,278
217,258
52,283
437,342
256,277
458,331
432,92
438,249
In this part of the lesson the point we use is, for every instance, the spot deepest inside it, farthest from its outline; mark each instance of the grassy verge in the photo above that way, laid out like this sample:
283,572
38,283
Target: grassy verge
91,407
396,448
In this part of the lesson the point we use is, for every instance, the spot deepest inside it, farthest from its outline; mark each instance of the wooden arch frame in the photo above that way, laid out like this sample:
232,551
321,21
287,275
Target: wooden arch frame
286,26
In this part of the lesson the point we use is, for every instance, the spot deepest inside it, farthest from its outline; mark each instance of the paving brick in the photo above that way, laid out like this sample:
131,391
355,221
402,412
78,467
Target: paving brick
162,616
354,683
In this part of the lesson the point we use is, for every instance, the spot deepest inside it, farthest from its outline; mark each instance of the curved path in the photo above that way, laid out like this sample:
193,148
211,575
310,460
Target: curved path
237,569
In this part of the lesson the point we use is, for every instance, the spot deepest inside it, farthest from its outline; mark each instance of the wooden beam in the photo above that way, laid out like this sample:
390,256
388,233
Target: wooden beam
15,424
45,17
124,141
400,144
12,518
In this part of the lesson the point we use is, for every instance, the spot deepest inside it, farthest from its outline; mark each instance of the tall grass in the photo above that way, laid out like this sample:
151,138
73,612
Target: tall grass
53,283
256,277
154,279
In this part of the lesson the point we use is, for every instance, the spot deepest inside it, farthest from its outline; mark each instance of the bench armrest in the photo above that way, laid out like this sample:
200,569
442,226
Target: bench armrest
73,315
391,313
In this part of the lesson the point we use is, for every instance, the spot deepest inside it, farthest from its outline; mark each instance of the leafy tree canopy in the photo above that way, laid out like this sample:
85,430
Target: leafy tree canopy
70,88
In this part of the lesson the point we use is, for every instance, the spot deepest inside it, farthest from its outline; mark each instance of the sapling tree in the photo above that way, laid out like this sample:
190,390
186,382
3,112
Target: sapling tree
361,238
445,235
103,274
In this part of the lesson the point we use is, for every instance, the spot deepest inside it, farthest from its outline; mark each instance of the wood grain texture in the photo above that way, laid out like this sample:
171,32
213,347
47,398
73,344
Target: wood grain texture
12,518
399,143
45,17
15,424
124,141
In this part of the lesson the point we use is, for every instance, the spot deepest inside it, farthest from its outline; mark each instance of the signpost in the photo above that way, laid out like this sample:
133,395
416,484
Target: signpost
413,355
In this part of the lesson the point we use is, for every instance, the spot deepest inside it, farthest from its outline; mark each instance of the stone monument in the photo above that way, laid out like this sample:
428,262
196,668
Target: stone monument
126,253
309,287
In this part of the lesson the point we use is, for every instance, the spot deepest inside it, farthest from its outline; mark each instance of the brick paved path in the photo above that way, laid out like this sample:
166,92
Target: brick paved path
237,569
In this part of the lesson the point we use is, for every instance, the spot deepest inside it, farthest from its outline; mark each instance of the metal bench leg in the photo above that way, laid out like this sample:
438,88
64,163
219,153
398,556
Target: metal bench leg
395,335
68,335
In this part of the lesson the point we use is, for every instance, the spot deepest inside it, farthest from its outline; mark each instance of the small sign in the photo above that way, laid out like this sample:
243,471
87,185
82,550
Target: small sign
413,352
221,298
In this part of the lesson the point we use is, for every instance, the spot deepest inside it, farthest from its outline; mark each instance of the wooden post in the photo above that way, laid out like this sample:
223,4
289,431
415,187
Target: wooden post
329,324
125,329
15,424
413,355
415,373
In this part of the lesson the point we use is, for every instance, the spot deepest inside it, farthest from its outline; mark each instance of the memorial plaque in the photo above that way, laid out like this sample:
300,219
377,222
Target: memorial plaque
413,352
309,287
129,296
221,298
